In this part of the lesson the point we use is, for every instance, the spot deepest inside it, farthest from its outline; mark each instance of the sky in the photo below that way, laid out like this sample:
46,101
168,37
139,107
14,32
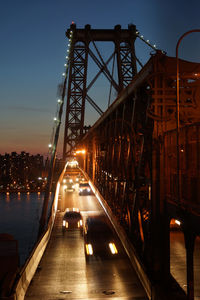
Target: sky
33,48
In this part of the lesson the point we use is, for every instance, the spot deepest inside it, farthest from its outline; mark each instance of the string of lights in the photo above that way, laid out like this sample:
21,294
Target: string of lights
141,37
53,145
60,102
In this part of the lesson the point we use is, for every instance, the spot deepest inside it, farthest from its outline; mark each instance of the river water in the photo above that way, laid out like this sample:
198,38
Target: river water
20,216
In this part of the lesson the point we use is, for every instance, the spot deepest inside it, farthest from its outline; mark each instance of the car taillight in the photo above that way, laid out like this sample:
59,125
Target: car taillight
80,223
113,248
89,249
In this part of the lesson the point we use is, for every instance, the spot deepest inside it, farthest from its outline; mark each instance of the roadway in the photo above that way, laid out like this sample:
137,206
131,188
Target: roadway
63,272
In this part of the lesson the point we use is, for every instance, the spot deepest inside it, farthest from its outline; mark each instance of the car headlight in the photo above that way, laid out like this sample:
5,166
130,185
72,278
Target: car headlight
113,248
88,189
89,249
80,190
80,223
65,224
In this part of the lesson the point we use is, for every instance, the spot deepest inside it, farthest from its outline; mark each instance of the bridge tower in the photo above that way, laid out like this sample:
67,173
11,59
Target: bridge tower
81,41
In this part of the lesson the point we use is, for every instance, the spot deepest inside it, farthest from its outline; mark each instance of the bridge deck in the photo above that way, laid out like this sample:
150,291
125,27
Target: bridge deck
63,271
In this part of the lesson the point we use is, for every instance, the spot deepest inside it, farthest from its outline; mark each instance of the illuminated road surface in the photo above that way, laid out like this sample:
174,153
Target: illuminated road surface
64,273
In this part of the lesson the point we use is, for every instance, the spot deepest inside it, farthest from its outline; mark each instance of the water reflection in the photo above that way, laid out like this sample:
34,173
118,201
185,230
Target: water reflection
27,196
7,197
19,216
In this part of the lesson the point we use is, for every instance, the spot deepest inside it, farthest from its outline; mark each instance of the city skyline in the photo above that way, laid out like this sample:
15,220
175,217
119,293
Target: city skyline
33,55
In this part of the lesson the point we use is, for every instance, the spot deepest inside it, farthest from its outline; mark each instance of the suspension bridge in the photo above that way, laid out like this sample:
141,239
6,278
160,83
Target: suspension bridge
142,160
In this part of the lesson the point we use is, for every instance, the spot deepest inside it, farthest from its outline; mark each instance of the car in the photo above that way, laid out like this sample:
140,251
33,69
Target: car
99,239
84,188
72,219
69,184
79,178
72,164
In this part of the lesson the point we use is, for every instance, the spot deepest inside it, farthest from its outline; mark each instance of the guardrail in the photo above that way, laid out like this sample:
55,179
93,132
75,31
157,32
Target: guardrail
26,274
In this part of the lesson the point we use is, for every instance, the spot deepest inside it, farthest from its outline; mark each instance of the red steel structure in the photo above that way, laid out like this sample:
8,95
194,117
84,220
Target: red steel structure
77,90
131,158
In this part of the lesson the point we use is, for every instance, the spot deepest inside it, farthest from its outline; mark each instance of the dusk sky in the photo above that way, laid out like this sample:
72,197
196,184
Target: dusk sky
33,48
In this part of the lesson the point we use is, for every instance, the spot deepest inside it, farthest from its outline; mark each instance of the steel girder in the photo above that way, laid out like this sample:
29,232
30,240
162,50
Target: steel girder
122,146
126,63
134,167
80,52
74,121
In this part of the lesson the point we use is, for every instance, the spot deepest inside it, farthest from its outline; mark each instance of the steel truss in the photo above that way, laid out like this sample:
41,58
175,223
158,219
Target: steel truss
131,158
74,121
77,92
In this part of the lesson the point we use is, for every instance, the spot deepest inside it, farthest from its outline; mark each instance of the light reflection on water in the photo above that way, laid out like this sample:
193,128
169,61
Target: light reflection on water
19,216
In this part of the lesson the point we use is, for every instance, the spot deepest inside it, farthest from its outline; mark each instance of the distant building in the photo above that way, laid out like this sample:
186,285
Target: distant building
21,171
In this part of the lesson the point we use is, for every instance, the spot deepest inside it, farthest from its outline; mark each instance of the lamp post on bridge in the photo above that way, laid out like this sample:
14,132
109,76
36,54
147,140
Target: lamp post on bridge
82,152
189,243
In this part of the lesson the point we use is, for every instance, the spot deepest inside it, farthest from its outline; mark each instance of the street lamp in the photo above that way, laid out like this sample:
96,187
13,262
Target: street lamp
82,151
178,110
